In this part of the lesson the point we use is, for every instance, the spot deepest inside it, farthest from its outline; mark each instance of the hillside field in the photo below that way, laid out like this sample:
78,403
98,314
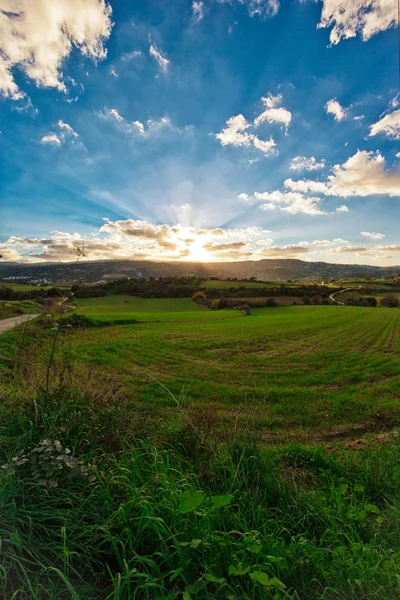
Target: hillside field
284,370
201,454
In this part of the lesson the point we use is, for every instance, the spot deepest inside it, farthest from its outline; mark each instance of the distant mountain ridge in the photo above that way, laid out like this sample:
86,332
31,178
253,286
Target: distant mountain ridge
266,270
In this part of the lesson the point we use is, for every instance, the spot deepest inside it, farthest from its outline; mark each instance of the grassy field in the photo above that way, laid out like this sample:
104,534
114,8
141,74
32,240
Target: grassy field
282,372
24,287
223,284
148,309
162,460
14,308
358,294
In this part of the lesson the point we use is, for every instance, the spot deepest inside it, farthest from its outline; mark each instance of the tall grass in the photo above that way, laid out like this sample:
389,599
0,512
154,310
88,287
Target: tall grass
91,512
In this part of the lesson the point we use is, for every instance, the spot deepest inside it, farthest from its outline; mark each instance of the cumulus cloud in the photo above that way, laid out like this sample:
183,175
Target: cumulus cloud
284,251
236,134
197,10
389,126
38,36
130,239
67,128
291,202
348,249
372,235
274,113
305,185
51,139
65,133
162,61
363,174
152,126
333,107
349,18
260,8
302,163
342,208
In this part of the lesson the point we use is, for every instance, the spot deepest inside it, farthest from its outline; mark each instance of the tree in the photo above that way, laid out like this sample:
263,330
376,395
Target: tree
390,302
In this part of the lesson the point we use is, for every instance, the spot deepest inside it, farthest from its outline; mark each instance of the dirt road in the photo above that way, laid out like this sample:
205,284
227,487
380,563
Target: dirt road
7,324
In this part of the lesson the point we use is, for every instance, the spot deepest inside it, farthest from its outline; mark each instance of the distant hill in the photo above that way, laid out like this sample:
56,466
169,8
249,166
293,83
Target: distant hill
267,270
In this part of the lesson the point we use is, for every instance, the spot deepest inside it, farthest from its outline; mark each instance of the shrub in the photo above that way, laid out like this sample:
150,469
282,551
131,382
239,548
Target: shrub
390,302
199,297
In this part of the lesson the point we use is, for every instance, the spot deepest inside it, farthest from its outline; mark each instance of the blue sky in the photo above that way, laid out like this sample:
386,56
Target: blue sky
215,130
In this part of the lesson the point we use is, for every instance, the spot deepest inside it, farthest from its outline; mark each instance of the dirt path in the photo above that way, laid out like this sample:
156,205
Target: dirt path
332,296
7,324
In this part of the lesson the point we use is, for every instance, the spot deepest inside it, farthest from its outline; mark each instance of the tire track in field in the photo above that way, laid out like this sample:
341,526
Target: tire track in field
375,341
390,346
344,328
370,337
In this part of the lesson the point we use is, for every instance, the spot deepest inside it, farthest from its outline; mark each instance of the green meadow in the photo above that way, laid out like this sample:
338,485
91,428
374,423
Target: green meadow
201,455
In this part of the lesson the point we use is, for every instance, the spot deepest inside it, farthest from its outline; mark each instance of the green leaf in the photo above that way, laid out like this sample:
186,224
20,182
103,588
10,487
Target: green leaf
213,579
190,501
219,501
263,579
238,570
176,573
255,548
195,543
186,596
359,488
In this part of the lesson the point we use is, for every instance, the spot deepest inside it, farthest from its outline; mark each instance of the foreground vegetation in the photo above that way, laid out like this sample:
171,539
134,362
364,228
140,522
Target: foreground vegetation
193,454
91,511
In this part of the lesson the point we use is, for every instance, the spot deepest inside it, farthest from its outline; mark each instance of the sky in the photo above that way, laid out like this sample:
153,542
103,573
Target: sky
212,130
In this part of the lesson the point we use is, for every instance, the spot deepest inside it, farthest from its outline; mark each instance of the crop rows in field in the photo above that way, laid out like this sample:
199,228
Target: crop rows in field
282,368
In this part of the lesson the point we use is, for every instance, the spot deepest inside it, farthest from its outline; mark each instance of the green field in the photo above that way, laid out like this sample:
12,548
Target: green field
201,455
25,287
286,370
121,307
223,284
15,308
359,294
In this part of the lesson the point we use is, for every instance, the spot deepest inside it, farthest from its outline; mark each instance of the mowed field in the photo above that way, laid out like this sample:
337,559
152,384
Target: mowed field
280,372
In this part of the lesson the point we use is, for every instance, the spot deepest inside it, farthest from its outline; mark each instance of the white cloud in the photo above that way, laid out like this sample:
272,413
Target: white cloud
198,10
389,125
274,113
351,17
291,202
363,174
305,185
67,128
131,55
114,72
140,239
152,126
334,108
51,139
301,163
162,61
348,249
236,135
372,235
284,251
342,208
261,8
66,133
38,35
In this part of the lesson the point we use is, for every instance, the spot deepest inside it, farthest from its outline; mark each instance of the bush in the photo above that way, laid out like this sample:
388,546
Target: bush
390,302
199,297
